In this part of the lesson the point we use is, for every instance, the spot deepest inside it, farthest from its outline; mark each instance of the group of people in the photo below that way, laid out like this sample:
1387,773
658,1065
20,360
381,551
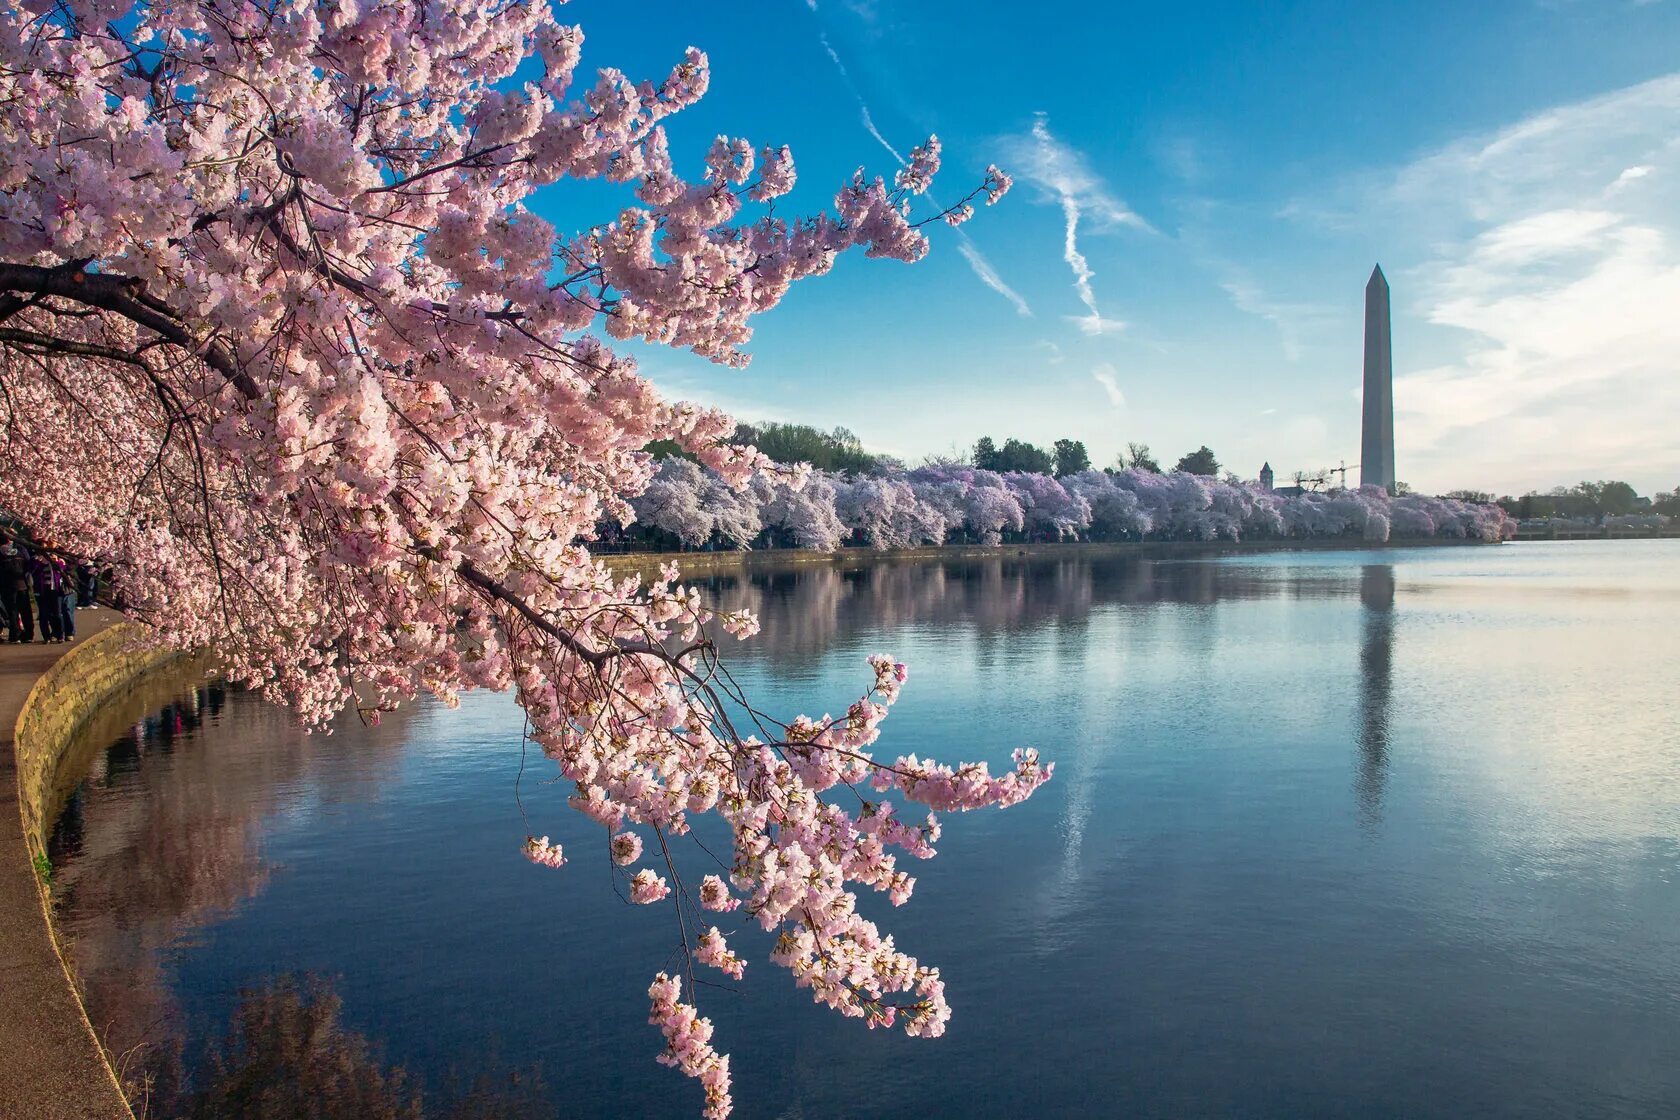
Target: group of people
40,583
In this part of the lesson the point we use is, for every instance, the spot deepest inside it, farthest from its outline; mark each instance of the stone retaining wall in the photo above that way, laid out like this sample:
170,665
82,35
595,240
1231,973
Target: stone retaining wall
695,564
52,1066
90,680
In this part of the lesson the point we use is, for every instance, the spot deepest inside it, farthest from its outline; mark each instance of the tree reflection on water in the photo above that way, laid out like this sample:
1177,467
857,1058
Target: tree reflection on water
806,609
165,840
288,1056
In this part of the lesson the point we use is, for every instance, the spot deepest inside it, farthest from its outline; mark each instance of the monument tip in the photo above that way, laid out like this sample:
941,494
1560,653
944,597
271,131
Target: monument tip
1377,278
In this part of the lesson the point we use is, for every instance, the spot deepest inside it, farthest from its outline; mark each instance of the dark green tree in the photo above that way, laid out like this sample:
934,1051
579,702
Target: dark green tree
1617,498
665,448
1199,461
839,450
1018,455
1014,455
1585,500
1071,457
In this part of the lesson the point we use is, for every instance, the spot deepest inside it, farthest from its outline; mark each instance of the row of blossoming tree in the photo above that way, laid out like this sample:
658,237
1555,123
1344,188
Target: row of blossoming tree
690,506
286,343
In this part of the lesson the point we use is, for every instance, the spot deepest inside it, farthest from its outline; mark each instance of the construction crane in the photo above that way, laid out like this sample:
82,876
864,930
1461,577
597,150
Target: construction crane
1342,470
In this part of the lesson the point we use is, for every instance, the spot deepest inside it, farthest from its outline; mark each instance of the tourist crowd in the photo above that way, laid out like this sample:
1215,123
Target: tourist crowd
37,582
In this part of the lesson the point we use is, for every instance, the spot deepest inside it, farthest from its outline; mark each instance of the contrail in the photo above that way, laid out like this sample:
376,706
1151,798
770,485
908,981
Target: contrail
971,253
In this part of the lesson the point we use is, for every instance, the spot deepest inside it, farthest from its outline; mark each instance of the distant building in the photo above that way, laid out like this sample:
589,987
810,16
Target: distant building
1376,442
1376,436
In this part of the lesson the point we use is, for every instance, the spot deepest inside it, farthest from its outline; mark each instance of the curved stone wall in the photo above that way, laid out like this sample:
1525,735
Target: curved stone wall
51,1064
87,683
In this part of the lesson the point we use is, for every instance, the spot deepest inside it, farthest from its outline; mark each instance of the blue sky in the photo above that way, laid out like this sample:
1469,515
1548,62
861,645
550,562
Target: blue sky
1235,169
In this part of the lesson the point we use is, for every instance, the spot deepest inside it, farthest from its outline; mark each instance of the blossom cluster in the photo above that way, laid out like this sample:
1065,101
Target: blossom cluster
290,350
897,508
688,1044
542,853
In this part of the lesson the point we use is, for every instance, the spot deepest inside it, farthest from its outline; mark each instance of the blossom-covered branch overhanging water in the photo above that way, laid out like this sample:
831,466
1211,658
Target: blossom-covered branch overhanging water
284,345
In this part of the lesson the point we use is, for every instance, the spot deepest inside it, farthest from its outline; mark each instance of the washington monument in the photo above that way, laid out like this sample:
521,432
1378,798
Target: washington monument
1376,444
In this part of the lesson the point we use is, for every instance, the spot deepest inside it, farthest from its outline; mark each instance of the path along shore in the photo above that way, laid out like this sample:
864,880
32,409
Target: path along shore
52,1066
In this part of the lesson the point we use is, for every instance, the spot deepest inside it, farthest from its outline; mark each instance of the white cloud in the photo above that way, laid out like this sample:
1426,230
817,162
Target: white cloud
1554,275
869,121
1104,375
1094,324
989,276
1063,175
1629,175
1290,319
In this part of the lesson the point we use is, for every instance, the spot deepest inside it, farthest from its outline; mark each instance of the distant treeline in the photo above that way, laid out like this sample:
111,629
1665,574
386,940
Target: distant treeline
1585,501
878,502
1015,491
841,452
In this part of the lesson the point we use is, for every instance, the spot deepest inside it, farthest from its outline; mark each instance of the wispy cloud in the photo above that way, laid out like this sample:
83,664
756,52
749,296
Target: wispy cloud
977,262
1094,324
1104,375
1292,319
1557,255
989,276
1066,179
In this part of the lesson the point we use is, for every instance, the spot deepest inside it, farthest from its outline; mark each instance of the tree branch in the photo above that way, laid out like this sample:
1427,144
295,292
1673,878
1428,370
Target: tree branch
125,296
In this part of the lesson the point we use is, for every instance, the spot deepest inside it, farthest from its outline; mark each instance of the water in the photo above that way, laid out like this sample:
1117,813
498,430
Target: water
1391,833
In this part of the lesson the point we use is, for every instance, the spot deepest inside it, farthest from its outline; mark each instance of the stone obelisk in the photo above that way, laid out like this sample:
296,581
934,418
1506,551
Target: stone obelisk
1376,445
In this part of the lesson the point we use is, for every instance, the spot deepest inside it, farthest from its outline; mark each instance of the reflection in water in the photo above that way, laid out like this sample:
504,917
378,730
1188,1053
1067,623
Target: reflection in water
165,837
288,1055
808,609
1376,681
1357,835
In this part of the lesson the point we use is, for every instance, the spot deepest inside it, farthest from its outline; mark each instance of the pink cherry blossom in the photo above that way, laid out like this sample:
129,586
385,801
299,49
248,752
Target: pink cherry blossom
714,894
539,851
647,888
626,848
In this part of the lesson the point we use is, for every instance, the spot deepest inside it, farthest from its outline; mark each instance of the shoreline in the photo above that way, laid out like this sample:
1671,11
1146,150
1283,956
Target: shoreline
694,564
52,1064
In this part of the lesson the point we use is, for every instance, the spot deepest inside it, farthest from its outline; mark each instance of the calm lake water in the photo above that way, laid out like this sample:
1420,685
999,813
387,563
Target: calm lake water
1377,834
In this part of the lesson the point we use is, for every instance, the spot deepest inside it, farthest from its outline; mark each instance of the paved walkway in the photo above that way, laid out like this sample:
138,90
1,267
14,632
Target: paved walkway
50,1064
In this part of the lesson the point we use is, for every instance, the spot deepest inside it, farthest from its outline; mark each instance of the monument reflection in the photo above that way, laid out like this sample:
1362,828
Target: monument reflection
1376,685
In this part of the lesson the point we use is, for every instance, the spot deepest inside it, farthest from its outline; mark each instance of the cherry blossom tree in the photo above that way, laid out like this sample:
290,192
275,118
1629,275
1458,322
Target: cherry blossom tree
1115,511
679,500
993,509
886,513
736,518
285,342
1047,505
805,514
930,503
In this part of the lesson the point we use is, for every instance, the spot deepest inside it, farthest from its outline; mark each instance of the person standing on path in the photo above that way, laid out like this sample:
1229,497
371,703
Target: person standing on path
48,575
15,563
66,598
87,584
